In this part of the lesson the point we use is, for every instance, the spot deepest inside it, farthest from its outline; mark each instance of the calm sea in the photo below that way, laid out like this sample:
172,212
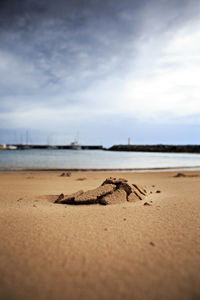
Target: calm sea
94,159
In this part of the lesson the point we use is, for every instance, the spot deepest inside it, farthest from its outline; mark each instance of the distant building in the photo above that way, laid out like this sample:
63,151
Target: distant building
3,146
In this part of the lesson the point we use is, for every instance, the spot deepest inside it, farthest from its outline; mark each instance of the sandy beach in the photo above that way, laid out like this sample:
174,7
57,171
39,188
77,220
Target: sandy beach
122,251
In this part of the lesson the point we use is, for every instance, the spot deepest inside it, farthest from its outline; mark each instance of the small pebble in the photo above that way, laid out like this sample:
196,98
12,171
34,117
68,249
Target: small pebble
146,203
152,243
67,174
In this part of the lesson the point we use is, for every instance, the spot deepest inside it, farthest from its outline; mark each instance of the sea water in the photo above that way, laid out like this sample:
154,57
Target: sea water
56,158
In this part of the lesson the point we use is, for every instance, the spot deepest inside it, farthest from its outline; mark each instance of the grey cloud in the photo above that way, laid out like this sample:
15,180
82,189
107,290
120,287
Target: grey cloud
60,54
70,9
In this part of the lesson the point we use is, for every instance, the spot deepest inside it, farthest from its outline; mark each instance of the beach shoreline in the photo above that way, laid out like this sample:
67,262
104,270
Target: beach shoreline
122,251
96,170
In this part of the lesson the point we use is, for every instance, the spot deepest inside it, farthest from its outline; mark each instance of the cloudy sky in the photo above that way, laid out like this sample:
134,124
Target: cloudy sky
102,70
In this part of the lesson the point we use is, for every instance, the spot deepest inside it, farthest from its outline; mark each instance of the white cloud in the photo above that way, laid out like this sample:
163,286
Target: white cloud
169,85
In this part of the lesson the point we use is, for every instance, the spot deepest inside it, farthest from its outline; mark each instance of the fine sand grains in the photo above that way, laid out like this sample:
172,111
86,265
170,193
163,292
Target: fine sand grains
123,251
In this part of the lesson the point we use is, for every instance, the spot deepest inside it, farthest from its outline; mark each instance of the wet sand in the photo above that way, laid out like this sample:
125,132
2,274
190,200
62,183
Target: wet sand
122,251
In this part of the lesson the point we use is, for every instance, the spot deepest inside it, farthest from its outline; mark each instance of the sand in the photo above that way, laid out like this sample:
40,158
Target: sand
121,251
111,191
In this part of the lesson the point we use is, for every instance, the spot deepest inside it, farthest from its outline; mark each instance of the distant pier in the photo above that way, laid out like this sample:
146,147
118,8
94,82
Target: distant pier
157,148
83,147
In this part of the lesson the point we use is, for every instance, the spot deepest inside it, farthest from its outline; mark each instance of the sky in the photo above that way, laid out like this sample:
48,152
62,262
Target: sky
100,71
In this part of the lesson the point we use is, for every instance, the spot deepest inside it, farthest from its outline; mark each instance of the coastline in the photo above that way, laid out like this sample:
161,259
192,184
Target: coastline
107,170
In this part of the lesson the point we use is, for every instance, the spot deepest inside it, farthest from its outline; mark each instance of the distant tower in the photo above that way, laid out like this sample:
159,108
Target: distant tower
129,141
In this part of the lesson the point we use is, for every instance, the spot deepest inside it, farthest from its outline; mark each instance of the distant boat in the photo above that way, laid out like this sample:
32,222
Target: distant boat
12,147
75,146
7,147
